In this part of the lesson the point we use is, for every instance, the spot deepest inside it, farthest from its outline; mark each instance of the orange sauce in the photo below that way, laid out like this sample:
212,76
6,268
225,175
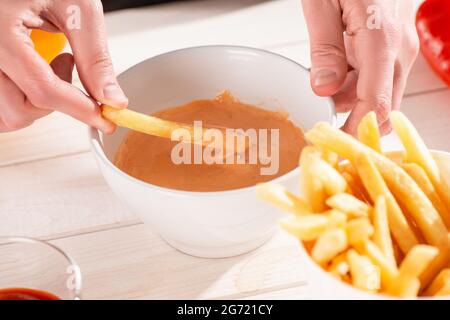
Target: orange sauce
149,159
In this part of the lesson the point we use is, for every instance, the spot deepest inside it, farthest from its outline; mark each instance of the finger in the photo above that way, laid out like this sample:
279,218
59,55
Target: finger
375,80
410,50
345,99
328,58
36,79
400,80
91,53
15,111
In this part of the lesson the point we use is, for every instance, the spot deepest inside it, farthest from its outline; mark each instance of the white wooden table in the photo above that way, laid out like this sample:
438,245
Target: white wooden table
51,188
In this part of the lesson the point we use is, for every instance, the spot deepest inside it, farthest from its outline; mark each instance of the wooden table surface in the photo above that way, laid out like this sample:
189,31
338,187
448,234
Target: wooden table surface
52,189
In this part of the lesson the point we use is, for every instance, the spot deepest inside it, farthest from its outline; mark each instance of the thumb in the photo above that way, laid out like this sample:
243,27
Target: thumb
326,33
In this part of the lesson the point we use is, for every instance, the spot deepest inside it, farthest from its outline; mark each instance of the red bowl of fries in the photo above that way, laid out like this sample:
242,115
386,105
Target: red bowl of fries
375,225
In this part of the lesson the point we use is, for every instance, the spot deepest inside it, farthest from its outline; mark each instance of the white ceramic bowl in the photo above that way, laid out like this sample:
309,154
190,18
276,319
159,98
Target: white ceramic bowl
323,285
209,224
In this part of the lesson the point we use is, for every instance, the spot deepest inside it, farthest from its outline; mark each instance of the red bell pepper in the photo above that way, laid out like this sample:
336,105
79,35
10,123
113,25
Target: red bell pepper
433,26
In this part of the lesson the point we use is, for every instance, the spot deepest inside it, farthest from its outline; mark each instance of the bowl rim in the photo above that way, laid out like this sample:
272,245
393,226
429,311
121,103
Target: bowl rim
95,141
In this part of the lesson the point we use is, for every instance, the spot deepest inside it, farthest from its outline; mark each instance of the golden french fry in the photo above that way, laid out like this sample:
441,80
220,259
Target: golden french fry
143,123
329,245
415,262
398,254
336,219
359,230
417,152
399,182
311,187
382,236
165,129
441,281
405,287
444,291
348,204
280,197
376,187
330,157
352,186
331,179
420,176
387,270
433,269
339,266
307,227
368,132
365,275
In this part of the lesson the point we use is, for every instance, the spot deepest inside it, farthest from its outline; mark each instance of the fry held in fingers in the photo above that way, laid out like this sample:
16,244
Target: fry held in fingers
375,223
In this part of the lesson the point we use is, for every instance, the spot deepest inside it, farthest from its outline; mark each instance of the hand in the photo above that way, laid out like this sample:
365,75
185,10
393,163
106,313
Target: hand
362,52
30,88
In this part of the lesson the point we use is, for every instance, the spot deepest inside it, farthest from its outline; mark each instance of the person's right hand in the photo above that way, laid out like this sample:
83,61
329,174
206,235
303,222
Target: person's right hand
30,88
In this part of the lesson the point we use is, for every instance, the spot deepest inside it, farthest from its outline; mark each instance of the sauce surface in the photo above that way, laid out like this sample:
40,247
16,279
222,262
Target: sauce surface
26,294
148,158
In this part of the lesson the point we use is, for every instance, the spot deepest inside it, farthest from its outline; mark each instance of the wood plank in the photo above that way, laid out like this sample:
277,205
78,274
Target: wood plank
52,136
154,270
57,197
430,113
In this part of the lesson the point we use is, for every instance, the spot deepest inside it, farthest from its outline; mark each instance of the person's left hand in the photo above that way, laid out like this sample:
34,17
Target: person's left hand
362,52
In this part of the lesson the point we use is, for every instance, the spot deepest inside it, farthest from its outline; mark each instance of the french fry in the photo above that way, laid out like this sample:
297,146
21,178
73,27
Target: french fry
330,157
339,266
441,281
143,123
444,291
365,275
306,228
376,187
415,262
280,197
348,204
352,186
387,270
331,179
433,269
398,254
420,176
382,236
311,187
329,245
359,230
368,132
417,152
163,128
400,183
405,287
336,219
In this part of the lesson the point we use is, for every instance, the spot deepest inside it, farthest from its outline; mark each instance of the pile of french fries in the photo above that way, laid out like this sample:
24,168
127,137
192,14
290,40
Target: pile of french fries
378,223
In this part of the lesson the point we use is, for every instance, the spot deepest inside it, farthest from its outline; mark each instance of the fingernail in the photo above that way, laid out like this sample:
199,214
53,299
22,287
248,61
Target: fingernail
324,77
115,96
